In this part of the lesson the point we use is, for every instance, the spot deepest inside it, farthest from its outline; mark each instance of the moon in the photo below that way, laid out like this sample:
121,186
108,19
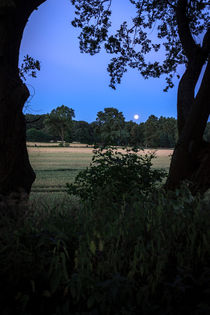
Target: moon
136,116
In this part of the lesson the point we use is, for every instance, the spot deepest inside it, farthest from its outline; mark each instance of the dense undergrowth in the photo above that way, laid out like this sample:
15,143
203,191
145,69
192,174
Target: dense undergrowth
121,250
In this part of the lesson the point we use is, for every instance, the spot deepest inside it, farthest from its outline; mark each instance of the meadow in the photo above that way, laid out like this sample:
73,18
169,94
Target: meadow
55,166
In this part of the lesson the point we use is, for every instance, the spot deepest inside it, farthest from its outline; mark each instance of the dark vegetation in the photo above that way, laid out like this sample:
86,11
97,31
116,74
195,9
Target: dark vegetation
110,128
113,253
127,247
122,176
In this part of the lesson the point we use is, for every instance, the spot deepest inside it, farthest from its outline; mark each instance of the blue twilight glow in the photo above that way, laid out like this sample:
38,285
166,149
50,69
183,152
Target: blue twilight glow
81,81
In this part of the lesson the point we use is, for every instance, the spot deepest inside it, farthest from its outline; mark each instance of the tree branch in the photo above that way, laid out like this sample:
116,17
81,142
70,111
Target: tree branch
202,103
32,121
189,80
206,42
185,35
171,5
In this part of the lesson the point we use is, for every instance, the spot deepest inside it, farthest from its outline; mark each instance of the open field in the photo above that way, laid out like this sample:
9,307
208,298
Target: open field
56,144
56,166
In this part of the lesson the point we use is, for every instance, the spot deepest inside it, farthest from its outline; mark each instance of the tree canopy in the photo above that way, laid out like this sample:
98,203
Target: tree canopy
59,121
167,26
111,126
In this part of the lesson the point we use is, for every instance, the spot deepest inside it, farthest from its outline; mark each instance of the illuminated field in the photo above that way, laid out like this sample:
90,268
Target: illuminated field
56,166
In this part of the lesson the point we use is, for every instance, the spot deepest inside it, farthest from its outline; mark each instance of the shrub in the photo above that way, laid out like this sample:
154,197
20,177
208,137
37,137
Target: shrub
115,176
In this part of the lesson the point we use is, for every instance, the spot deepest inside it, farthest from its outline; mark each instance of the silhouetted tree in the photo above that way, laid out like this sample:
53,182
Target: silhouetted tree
151,132
82,132
36,135
35,121
16,174
59,121
137,134
167,132
111,126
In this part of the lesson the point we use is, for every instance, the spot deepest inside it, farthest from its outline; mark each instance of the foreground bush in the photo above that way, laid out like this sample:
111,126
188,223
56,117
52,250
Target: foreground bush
147,255
116,177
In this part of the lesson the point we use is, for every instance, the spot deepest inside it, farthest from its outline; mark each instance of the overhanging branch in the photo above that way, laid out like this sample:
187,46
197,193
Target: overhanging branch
185,35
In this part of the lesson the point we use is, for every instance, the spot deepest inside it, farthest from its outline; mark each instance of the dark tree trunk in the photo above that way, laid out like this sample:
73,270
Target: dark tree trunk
191,158
16,173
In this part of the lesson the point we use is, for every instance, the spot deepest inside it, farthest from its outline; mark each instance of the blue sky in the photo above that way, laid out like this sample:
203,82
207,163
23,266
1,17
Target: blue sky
81,81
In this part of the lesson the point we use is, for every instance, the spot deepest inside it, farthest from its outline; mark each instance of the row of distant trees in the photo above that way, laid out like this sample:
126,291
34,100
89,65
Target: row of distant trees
109,128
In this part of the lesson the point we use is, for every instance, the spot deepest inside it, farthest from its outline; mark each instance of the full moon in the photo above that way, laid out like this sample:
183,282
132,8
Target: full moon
136,116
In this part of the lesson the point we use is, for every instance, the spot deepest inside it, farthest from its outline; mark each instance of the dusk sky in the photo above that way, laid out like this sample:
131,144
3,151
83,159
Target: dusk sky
81,81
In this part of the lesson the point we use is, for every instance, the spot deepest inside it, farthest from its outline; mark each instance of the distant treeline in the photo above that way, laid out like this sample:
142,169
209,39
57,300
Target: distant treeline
110,128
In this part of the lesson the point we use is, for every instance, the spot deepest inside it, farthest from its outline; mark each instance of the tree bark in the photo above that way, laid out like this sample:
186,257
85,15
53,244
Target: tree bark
191,151
191,157
16,173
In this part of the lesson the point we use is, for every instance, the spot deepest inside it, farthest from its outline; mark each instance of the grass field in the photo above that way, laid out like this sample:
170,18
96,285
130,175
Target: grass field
56,166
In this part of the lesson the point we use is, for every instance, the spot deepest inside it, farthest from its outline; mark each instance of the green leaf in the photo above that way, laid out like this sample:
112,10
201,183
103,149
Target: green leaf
92,247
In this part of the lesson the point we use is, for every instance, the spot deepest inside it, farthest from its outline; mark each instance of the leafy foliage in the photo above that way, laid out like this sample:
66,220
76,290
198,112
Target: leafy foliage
116,177
35,121
37,135
29,67
82,132
59,121
87,12
135,40
111,126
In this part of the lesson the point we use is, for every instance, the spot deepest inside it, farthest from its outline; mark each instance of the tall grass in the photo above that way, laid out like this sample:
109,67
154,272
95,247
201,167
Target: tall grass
144,255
